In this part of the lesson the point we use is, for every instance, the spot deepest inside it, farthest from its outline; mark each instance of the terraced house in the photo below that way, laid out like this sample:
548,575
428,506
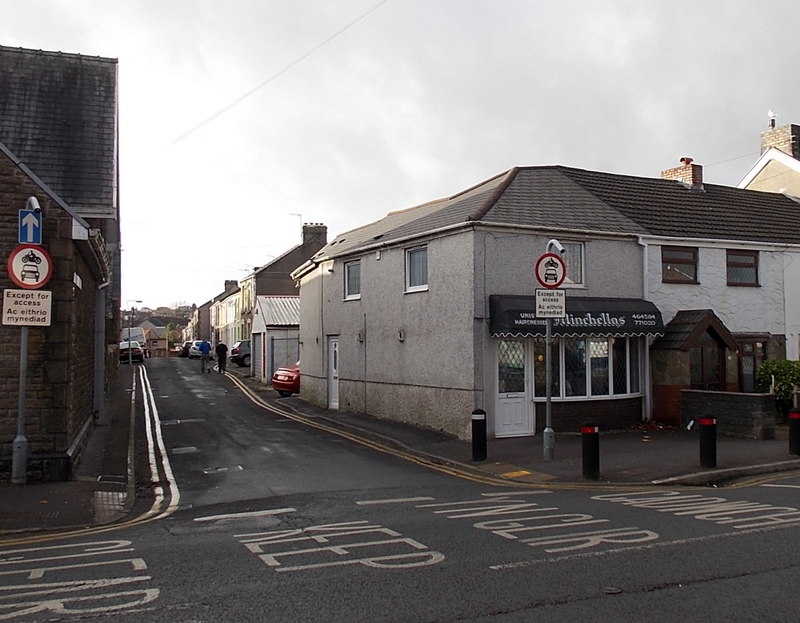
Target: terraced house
428,313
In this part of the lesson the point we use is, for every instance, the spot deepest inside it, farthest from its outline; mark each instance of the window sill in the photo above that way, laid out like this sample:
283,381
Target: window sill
416,289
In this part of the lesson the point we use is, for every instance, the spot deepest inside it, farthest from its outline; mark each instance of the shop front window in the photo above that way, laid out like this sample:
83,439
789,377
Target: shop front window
589,367
574,366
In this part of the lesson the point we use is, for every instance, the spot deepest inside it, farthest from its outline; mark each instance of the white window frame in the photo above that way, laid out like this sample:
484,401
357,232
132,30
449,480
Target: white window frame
351,296
571,247
421,287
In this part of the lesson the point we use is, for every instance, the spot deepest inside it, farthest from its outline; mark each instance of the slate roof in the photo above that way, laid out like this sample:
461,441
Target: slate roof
564,198
58,114
688,325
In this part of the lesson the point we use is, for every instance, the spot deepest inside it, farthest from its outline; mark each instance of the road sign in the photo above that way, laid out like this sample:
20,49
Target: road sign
551,270
30,266
23,308
30,227
551,303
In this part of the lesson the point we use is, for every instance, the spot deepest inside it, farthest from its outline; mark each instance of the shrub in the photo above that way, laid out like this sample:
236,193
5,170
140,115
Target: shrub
787,379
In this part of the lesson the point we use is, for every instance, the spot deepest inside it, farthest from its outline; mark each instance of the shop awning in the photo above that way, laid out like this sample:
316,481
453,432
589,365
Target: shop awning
514,316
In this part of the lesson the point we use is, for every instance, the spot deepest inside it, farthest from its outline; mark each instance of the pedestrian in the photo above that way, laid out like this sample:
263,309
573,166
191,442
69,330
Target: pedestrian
222,356
205,349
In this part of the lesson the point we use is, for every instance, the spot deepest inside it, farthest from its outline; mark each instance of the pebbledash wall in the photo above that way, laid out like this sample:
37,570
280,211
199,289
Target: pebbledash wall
60,364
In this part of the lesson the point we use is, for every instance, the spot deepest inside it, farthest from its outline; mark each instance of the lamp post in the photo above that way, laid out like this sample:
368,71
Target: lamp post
130,326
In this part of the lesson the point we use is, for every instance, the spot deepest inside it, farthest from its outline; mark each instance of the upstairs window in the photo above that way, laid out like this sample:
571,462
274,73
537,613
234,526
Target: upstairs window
678,265
417,269
742,268
352,280
573,259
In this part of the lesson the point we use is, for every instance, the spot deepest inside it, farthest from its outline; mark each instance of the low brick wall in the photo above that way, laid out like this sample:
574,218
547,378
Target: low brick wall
751,416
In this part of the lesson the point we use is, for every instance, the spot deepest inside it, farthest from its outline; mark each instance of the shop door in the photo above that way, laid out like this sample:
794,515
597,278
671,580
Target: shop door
333,372
513,407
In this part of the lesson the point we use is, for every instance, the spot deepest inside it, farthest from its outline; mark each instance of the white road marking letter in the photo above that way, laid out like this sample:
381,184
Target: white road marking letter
583,540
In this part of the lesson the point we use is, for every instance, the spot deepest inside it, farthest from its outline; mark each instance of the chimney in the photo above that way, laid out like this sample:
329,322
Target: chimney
786,138
687,173
230,283
315,232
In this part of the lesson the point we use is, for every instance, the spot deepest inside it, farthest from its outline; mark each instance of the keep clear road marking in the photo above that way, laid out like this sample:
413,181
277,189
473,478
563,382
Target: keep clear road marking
41,580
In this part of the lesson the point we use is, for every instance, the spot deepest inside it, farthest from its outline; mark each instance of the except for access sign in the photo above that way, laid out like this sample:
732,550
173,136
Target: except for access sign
551,303
27,308
30,266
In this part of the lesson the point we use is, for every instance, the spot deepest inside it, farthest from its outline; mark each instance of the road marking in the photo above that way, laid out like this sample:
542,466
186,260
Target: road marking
81,579
264,513
516,474
783,486
393,501
336,545
719,510
186,421
184,450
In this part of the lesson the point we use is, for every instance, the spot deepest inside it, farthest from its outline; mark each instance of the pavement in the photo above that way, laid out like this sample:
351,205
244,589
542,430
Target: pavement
103,490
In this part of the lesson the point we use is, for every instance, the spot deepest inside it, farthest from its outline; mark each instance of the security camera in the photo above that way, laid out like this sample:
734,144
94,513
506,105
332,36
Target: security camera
557,246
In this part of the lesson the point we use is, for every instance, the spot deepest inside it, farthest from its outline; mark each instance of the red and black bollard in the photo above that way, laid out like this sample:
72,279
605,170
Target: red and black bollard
590,440
794,431
708,441
479,435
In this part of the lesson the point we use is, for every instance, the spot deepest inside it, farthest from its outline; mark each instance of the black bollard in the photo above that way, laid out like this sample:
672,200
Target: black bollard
590,440
708,441
794,431
479,435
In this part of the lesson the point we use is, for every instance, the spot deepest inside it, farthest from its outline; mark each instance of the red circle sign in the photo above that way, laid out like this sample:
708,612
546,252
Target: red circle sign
30,266
551,270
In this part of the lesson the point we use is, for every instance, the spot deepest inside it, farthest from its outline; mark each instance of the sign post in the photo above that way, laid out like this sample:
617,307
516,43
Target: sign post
30,267
550,273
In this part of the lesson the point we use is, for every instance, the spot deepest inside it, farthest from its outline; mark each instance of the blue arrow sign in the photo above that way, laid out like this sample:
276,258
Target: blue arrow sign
30,227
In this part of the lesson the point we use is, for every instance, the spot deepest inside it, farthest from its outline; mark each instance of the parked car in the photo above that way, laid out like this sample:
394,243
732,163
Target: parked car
286,380
130,351
194,350
185,348
240,353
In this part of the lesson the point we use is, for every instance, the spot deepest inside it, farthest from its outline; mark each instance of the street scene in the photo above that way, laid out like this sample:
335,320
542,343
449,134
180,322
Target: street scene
401,311
310,521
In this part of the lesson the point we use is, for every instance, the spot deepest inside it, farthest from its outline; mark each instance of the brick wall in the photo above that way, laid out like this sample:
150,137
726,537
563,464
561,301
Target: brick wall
60,363
742,415
607,414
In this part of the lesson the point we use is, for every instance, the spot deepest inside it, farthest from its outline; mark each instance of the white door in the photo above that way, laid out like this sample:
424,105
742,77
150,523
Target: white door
333,372
514,408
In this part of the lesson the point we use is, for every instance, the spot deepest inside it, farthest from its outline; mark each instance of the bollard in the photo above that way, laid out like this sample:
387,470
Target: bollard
479,435
794,431
590,440
708,441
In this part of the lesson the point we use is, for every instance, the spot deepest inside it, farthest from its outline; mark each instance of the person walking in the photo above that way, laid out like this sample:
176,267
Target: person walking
222,357
205,349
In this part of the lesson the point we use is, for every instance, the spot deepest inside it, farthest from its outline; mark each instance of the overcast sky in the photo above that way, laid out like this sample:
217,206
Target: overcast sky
240,120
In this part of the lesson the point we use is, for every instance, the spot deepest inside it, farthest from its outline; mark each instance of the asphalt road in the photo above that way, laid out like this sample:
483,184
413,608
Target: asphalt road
258,518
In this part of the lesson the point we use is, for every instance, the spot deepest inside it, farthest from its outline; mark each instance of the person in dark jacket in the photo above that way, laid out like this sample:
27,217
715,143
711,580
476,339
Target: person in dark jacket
205,350
222,357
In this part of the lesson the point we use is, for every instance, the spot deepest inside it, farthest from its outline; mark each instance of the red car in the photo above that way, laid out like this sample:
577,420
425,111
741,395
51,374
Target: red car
286,380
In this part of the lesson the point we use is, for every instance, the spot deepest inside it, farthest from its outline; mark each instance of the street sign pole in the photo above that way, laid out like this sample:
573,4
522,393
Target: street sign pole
549,439
19,457
550,273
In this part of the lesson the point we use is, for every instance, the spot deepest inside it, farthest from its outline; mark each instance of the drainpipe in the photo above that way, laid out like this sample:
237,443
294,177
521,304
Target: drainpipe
648,377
